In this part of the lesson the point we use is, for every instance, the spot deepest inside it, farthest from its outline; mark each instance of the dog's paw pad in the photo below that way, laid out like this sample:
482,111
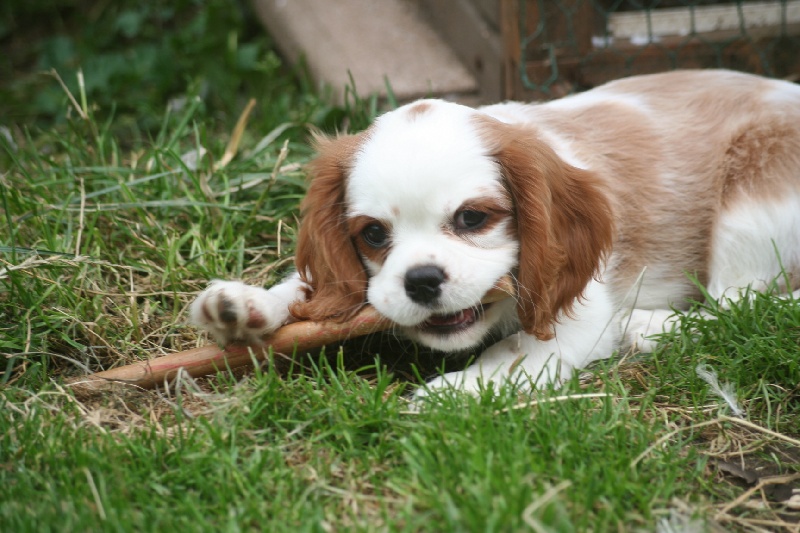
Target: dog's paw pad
234,312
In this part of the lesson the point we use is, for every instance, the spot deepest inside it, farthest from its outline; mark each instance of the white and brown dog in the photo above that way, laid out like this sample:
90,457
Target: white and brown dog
602,206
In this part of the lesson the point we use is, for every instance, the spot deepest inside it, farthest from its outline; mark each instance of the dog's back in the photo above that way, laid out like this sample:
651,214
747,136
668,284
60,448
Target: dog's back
699,166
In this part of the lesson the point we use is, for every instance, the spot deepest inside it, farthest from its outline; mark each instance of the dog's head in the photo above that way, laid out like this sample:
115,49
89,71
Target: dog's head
423,212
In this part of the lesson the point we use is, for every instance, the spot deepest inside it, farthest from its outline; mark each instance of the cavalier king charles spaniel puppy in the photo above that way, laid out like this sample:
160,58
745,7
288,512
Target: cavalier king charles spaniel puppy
606,208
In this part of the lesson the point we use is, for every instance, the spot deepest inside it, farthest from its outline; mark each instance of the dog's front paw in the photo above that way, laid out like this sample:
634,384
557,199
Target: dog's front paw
234,312
519,360
644,328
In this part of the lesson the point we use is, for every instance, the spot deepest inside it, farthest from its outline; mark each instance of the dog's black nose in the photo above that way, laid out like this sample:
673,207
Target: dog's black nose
424,283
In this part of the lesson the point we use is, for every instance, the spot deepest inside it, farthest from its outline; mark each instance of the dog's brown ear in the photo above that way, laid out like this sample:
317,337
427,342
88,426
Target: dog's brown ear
326,257
564,224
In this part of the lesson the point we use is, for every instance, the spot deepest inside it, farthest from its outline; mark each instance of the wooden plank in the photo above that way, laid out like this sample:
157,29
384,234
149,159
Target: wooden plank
370,39
476,43
639,25
512,47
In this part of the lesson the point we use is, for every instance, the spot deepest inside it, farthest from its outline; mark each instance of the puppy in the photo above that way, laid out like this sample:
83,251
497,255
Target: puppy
603,207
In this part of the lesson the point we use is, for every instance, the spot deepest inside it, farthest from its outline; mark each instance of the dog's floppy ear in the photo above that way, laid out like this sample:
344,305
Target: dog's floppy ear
564,223
326,257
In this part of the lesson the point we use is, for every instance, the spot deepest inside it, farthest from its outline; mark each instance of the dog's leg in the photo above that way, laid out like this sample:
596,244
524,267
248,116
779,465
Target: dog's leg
503,362
642,328
590,333
234,311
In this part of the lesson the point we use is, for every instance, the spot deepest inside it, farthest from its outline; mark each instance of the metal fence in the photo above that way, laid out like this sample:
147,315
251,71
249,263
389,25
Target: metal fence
560,46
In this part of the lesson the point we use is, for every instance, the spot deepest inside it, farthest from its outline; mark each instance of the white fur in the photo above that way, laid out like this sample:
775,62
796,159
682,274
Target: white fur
385,184
590,334
245,301
415,169
744,227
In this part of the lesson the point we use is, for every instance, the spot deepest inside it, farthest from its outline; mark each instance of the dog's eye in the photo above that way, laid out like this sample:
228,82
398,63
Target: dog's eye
375,235
469,219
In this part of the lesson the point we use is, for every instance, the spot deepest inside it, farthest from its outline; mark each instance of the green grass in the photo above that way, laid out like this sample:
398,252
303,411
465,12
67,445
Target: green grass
108,229
330,447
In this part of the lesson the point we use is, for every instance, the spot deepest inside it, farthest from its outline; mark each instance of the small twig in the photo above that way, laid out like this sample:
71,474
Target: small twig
278,235
35,261
98,502
547,497
241,185
233,144
53,72
555,399
265,193
762,429
668,436
763,482
356,496
81,214
82,92
721,418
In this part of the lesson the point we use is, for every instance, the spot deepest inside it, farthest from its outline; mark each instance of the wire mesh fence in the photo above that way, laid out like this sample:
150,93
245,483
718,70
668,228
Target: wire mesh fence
560,46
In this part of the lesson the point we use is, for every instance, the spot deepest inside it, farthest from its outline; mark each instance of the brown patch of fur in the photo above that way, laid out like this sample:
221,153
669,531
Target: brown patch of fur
497,210
418,109
326,257
755,162
660,191
564,224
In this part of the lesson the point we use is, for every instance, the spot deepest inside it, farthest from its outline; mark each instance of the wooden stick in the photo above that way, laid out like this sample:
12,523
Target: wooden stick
206,360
